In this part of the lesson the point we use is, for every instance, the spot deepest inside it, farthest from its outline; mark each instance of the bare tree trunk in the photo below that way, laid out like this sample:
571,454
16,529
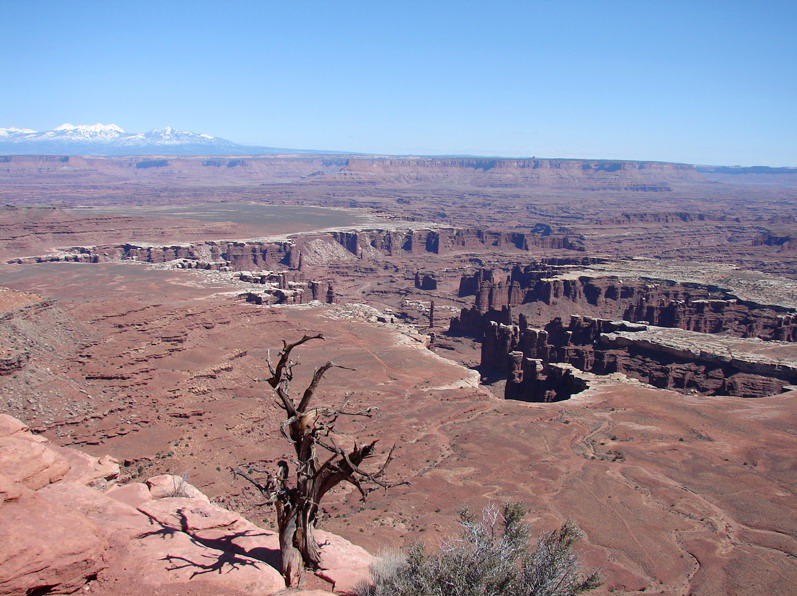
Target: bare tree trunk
292,565
307,430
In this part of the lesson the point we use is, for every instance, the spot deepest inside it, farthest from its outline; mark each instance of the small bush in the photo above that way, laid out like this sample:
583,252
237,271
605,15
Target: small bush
181,487
486,561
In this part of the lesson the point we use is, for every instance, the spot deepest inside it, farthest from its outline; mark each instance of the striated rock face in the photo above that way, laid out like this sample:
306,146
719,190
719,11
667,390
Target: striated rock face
444,240
12,361
67,524
664,358
689,306
238,256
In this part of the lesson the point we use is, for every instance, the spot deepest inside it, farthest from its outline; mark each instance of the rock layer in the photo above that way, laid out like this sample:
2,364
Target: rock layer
665,358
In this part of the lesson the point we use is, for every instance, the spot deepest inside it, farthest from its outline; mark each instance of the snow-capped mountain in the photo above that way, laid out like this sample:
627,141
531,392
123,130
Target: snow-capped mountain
110,139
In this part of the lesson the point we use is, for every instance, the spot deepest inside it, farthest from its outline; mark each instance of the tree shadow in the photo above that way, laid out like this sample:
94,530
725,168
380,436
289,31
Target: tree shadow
222,552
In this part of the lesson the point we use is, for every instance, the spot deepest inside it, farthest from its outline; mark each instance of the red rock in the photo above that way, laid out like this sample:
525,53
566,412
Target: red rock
133,494
85,469
28,459
188,514
10,490
167,485
345,564
116,521
10,425
46,547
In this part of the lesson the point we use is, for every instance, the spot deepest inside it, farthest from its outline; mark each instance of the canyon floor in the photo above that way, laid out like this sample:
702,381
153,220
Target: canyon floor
124,333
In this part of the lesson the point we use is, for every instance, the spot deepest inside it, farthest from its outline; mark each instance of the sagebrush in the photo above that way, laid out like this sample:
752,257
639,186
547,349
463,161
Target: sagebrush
488,558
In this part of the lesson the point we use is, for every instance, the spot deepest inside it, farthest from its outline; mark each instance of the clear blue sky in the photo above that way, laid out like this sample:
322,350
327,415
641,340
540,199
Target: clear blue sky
711,82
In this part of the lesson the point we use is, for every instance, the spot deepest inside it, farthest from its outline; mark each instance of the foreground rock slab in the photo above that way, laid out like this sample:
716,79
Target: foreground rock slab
67,525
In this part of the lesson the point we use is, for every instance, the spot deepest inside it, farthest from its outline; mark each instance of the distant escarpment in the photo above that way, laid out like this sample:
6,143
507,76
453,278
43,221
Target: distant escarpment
477,172
665,358
571,173
665,303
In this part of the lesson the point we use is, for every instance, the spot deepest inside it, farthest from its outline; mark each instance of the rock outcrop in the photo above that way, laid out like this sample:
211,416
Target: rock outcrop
426,281
68,524
445,240
665,358
665,303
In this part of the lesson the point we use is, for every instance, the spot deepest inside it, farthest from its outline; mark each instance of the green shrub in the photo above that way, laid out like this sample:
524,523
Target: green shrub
485,560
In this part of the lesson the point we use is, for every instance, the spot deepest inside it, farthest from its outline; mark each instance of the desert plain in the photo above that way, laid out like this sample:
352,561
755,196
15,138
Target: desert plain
611,343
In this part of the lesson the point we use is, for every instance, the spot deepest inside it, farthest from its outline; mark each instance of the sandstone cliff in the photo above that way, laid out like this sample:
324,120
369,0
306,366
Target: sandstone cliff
665,358
665,303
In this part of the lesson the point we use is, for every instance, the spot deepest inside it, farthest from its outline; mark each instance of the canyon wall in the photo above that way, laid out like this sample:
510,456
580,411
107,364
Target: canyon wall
444,240
664,358
665,303
234,256
177,170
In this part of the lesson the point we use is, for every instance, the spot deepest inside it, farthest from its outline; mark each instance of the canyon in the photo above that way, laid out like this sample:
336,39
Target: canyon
559,332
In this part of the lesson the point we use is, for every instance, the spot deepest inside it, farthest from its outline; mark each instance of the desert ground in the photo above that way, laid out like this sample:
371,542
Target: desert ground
139,306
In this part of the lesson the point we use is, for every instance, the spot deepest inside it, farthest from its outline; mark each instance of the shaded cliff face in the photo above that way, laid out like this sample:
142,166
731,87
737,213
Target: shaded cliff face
665,358
445,240
665,303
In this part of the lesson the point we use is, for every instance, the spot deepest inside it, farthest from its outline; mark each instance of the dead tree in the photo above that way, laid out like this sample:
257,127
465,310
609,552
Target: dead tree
319,464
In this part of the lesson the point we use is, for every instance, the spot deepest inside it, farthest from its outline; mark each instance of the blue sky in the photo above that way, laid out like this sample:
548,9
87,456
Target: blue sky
699,82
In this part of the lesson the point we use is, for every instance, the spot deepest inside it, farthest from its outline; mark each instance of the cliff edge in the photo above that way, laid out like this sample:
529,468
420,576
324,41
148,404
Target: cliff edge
68,525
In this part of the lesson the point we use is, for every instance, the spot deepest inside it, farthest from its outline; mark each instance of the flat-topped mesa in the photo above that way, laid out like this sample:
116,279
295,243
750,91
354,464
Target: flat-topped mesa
486,172
214,255
665,358
365,243
347,170
665,303
290,292
238,256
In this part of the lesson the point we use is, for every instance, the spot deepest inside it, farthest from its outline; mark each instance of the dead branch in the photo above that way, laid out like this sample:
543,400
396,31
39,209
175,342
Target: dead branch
307,429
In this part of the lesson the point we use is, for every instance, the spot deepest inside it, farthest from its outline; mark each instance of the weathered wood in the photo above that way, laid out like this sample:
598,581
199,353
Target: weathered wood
297,499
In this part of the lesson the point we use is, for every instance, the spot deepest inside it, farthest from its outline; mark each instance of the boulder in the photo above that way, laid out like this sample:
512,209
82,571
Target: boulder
167,485
344,564
28,459
133,494
46,547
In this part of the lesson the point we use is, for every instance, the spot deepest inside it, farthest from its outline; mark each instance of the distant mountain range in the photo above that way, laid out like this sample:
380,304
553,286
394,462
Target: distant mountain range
111,140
